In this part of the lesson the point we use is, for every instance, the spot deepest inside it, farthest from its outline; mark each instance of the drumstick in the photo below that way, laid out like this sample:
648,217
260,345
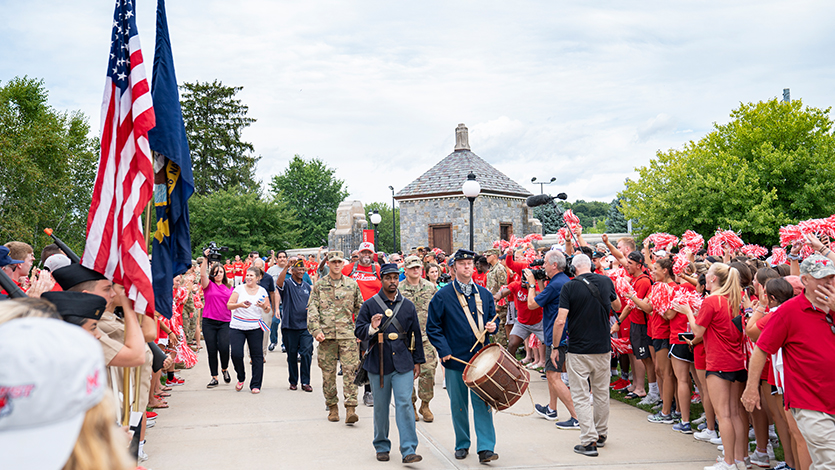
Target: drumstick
459,360
481,335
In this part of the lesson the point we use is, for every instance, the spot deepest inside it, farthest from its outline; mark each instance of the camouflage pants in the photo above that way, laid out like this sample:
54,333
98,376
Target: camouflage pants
501,335
190,324
345,351
426,379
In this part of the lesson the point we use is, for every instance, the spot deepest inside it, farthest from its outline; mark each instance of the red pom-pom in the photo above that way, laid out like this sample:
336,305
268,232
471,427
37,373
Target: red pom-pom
569,217
754,251
790,235
692,241
660,296
680,261
620,345
778,256
663,240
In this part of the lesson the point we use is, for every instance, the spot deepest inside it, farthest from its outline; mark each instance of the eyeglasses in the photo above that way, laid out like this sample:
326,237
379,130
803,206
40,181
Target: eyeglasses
829,320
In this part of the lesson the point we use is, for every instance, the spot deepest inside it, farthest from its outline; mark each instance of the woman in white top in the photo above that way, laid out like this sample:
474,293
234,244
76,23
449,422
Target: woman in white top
247,303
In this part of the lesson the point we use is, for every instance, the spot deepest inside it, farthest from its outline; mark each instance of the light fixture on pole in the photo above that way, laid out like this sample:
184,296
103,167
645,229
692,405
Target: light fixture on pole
541,184
393,225
471,189
375,218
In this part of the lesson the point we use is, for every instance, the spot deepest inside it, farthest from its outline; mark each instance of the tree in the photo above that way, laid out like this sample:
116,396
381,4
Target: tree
47,167
311,189
770,166
550,219
384,242
615,221
590,213
214,120
244,222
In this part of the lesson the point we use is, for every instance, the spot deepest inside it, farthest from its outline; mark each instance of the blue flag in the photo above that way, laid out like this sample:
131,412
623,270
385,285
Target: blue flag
174,181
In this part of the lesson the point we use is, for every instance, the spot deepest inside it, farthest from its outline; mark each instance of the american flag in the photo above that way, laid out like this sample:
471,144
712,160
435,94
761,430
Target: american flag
125,179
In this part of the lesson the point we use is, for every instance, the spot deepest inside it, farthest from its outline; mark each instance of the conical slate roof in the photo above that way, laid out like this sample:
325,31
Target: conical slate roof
448,175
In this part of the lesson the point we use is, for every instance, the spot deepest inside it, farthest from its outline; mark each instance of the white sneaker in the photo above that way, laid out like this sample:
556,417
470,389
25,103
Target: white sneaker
650,399
142,455
150,423
721,465
717,441
751,435
760,459
770,451
701,419
772,435
705,435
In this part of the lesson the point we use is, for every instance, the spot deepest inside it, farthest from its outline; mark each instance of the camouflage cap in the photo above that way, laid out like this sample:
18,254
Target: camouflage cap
336,256
817,266
412,261
492,251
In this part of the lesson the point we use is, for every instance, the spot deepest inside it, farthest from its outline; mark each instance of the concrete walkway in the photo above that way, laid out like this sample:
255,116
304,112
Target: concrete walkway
283,429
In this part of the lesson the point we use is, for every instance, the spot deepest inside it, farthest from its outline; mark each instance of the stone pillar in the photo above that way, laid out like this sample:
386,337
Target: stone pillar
350,222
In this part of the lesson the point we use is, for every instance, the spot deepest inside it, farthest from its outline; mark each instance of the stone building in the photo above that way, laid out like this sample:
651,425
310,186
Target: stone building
435,213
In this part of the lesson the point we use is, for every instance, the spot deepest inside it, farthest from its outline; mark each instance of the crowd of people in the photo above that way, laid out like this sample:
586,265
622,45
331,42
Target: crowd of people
666,323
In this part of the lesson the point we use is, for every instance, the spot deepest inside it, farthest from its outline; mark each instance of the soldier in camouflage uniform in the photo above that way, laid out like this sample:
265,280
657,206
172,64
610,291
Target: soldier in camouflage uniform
496,278
331,311
420,292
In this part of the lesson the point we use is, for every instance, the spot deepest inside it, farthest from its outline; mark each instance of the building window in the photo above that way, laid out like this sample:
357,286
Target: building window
506,231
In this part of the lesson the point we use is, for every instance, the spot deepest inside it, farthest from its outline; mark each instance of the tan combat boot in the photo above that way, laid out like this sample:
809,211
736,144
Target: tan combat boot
350,415
426,412
333,413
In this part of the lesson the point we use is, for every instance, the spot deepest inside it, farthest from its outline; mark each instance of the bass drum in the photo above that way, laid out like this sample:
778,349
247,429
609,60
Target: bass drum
496,376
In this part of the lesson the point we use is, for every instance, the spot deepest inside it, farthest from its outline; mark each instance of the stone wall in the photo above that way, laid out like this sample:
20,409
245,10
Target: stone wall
488,211
350,222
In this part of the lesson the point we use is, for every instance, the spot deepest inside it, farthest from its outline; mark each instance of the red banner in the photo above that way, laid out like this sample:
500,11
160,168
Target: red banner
368,236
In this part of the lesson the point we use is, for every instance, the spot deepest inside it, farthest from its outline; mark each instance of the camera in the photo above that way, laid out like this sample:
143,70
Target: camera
444,278
569,270
537,271
214,252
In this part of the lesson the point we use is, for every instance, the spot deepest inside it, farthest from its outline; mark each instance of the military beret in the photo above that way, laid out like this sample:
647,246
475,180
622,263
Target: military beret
75,274
77,304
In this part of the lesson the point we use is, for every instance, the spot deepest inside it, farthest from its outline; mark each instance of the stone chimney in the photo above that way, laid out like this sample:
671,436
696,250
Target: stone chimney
462,141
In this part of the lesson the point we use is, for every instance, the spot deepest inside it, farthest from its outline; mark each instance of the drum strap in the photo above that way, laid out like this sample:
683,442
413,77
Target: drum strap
476,329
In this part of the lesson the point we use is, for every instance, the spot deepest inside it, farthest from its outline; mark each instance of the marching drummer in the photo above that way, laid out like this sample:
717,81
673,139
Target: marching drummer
461,315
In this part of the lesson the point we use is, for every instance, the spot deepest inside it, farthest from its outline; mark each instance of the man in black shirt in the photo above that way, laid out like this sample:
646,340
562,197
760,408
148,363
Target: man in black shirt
584,309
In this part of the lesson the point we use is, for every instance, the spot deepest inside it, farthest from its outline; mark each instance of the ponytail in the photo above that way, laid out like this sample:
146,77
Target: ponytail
728,285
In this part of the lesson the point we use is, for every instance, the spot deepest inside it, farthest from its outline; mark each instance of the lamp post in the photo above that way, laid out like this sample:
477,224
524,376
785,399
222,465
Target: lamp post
375,218
471,188
541,191
393,225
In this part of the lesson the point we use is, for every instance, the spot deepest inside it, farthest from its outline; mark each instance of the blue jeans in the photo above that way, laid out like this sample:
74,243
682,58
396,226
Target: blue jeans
483,419
404,416
298,342
274,326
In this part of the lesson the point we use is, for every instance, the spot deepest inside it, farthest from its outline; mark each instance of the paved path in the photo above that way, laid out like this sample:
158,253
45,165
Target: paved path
282,429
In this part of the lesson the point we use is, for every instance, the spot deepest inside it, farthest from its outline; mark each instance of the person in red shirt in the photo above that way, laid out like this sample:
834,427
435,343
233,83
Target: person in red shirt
638,335
480,273
528,322
725,358
804,328
230,270
238,270
367,275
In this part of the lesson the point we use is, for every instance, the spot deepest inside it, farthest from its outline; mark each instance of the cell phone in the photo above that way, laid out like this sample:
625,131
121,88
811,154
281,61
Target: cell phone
686,336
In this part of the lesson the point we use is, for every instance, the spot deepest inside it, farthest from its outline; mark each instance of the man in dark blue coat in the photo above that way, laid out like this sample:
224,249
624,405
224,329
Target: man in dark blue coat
453,330
389,323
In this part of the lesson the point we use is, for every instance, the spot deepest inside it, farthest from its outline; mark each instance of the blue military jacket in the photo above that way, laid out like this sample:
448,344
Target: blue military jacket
447,326
396,354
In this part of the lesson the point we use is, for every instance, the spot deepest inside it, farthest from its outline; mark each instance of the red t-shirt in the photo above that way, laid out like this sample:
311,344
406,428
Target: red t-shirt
520,299
480,278
366,277
659,327
723,341
230,270
679,323
808,359
768,372
642,285
238,268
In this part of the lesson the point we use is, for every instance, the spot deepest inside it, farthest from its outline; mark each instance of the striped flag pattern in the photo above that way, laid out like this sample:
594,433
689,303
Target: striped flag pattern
115,243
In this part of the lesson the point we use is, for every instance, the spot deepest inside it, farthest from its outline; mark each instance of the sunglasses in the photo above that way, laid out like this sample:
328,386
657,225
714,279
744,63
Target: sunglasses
829,320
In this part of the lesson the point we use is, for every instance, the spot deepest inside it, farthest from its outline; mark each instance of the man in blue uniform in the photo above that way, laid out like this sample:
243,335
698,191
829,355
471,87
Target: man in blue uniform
388,322
453,330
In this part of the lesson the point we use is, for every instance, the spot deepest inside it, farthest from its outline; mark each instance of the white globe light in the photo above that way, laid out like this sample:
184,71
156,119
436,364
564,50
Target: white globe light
376,218
471,188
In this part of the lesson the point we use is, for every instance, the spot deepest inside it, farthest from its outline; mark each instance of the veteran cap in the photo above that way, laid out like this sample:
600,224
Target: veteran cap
77,304
75,274
817,266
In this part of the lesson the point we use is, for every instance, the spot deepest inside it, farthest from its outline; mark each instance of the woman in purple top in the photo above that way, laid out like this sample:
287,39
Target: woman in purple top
216,317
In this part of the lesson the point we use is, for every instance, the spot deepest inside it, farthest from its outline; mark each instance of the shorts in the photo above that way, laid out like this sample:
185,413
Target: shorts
523,331
736,376
681,352
699,357
549,365
640,340
659,344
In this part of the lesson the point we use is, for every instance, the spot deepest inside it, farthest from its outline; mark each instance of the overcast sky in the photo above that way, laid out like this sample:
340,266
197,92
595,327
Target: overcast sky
581,91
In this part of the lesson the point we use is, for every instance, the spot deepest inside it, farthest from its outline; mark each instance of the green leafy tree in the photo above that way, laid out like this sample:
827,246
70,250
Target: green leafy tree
47,167
769,166
244,222
214,121
384,238
312,190
615,221
550,219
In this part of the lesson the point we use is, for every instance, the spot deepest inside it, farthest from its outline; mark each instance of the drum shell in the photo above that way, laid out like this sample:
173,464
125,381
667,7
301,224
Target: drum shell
504,383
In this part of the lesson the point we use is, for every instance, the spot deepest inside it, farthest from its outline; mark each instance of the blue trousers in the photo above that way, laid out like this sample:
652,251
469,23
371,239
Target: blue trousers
484,431
401,385
274,326
298,343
